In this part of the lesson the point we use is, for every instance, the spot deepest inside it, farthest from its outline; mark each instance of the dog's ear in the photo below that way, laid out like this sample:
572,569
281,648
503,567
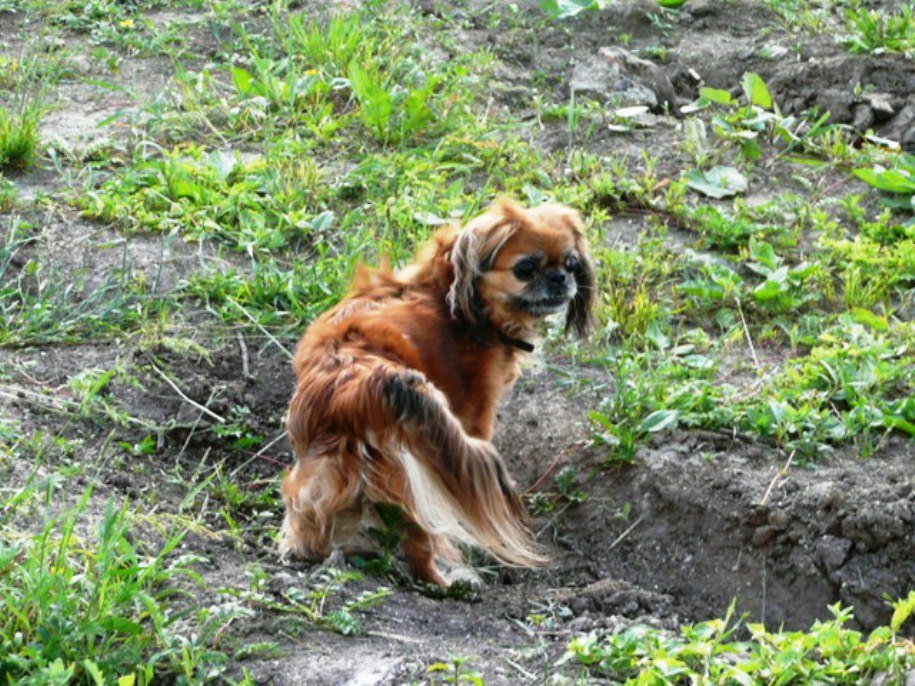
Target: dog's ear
474,253
578,316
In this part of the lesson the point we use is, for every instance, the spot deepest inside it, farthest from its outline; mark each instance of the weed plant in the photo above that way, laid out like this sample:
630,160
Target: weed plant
710,652
83,606
877,31
257,205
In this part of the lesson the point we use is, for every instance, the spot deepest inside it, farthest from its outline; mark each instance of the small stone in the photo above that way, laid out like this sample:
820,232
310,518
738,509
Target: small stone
582,624
82,65
862,117
580,606
779,520
837,103
702,8
902,127
826,495
833,551
764,535
616,75
758,515
881,104
187,415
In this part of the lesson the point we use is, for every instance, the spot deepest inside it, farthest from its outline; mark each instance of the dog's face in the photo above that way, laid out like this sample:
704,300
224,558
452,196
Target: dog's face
514,266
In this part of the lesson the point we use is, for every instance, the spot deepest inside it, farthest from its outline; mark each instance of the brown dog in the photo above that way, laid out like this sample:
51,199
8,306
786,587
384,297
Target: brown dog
398,387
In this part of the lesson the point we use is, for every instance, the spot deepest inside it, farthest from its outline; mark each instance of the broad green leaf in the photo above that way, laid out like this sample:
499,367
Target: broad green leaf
657,337
717,182
899,423
672,3
604,421
323,222
702,289
224,164
868,318
889,180
660,420
769,290
901,202
779,276
699,361
563,9
803,270
764,253
121,625
184,188
716,95
93,670
757,91
902,611
242,79
904,407
779,409
751,150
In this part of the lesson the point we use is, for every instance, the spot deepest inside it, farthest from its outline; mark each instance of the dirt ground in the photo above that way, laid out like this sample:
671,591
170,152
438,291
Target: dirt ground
701,518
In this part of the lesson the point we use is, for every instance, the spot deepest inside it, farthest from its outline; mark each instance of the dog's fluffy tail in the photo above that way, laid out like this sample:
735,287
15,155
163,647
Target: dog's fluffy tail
459,484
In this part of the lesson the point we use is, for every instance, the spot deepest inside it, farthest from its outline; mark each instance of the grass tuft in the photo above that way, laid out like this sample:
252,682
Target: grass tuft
87,606
18,139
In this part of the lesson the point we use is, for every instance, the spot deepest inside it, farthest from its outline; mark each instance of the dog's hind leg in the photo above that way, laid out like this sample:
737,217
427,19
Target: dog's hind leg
323,505
421,548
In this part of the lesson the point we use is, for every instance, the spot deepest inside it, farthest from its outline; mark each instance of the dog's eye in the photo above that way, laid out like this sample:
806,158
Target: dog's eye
525,269
572,262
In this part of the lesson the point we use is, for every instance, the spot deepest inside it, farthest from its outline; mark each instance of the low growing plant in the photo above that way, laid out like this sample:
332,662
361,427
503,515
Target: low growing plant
709,652
82,606
878,31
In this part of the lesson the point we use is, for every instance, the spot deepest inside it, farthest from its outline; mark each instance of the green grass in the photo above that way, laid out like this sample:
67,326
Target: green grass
333,81
260,204
859,27
274,295
40,306
18,139
8,194
89,605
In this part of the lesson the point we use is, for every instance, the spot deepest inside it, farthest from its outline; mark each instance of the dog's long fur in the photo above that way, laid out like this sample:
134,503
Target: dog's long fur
398,387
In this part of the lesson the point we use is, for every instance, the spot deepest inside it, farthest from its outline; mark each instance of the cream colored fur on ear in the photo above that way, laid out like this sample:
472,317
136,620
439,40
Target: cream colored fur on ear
474,251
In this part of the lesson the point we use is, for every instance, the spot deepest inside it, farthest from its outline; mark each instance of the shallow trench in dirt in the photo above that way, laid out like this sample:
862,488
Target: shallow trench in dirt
709,518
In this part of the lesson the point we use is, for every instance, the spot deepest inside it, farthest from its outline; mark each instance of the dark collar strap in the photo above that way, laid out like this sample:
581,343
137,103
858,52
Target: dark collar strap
516,342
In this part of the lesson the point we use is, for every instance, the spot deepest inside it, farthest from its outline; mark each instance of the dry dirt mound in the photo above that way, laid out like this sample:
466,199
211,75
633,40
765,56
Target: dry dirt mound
709,518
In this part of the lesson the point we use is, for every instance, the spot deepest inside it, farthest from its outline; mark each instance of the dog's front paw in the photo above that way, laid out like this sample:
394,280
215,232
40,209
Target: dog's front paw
466,577
336,560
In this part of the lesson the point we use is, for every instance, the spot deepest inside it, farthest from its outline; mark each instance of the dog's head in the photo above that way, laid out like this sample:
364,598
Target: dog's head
513,266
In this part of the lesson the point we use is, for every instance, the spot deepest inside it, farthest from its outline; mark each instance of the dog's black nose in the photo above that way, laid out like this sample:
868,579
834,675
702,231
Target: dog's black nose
556,278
